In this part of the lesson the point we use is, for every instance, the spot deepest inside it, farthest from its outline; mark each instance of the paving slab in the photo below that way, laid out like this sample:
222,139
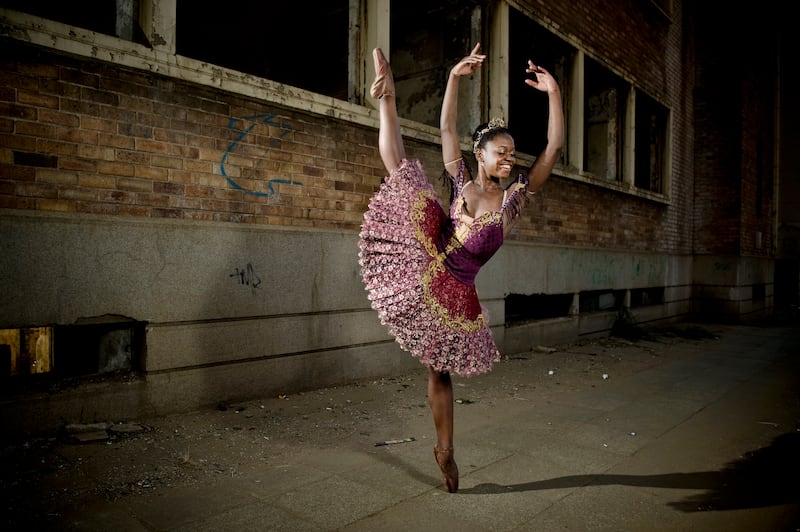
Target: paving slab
668,433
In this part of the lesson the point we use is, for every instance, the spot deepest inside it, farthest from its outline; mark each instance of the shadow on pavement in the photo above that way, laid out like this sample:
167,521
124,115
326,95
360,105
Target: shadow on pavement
764,477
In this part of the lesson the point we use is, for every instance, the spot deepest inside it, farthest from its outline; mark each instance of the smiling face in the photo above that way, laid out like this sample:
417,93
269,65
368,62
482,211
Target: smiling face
498,156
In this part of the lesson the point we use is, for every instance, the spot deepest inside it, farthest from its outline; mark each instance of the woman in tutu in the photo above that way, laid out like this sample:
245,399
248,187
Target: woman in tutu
419,262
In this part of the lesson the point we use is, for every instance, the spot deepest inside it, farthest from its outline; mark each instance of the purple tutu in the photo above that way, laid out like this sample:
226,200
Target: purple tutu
419,266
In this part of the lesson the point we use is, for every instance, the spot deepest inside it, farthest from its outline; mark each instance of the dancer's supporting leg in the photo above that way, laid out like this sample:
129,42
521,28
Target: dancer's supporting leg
440,386
440,399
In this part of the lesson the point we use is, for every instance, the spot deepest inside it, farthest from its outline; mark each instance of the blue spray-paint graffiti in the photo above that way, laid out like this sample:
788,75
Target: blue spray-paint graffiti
254,120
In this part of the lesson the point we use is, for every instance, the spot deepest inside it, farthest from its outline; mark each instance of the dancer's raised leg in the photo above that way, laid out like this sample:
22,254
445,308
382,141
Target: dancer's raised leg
390,140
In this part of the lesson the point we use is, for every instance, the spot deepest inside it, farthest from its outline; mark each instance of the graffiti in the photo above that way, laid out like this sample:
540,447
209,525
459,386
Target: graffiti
652,271
252,121
601,277
247,277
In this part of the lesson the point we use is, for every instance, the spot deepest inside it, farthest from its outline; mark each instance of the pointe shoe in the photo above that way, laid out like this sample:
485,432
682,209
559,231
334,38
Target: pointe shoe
444,457
384,82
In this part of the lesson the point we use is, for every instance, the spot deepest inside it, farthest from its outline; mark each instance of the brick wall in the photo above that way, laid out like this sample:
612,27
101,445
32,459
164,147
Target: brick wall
86,137
89,137
734,123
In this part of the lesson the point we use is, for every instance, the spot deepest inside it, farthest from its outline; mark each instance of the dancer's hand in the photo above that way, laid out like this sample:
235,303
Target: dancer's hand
544,81
470,63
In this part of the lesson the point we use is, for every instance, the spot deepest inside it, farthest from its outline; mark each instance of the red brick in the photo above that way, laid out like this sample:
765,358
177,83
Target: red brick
37,99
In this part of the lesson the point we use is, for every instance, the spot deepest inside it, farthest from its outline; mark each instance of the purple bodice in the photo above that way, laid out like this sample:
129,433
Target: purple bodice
469,243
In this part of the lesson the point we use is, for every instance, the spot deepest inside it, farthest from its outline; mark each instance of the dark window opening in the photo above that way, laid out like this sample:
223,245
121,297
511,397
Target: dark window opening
759,292
97,348
72,350
642,297
601,300
604,107
260,38
527,107
650,143
101,16
520,307
427,38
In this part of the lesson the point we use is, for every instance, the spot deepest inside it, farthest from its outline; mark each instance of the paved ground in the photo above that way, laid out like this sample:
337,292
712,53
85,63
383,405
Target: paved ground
695,428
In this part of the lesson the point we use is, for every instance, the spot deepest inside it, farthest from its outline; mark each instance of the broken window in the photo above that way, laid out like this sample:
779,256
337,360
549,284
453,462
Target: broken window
427,38
605,98
72,350
650,143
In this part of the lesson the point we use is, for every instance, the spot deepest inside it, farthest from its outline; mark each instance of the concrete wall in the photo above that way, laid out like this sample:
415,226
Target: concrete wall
731,288
297,318
525,268
235,312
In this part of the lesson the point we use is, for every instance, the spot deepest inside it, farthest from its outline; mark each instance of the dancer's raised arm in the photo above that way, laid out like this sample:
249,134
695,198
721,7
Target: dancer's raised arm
544,163
451,147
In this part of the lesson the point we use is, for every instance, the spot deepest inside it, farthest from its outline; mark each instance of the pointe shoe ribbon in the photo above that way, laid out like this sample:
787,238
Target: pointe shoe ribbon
447,464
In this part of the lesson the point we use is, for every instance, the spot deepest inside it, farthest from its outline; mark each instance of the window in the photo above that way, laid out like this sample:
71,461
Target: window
428,37
72,350
89,349
605,97
650,144
265,39
101,16
642,297
520,307
596,300
527,108
615,132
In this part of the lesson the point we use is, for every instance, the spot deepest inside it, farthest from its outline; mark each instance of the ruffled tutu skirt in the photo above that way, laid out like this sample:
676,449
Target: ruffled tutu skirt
430,313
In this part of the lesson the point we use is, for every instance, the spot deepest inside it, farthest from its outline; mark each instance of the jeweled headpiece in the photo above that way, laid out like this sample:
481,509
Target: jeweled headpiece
494,123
